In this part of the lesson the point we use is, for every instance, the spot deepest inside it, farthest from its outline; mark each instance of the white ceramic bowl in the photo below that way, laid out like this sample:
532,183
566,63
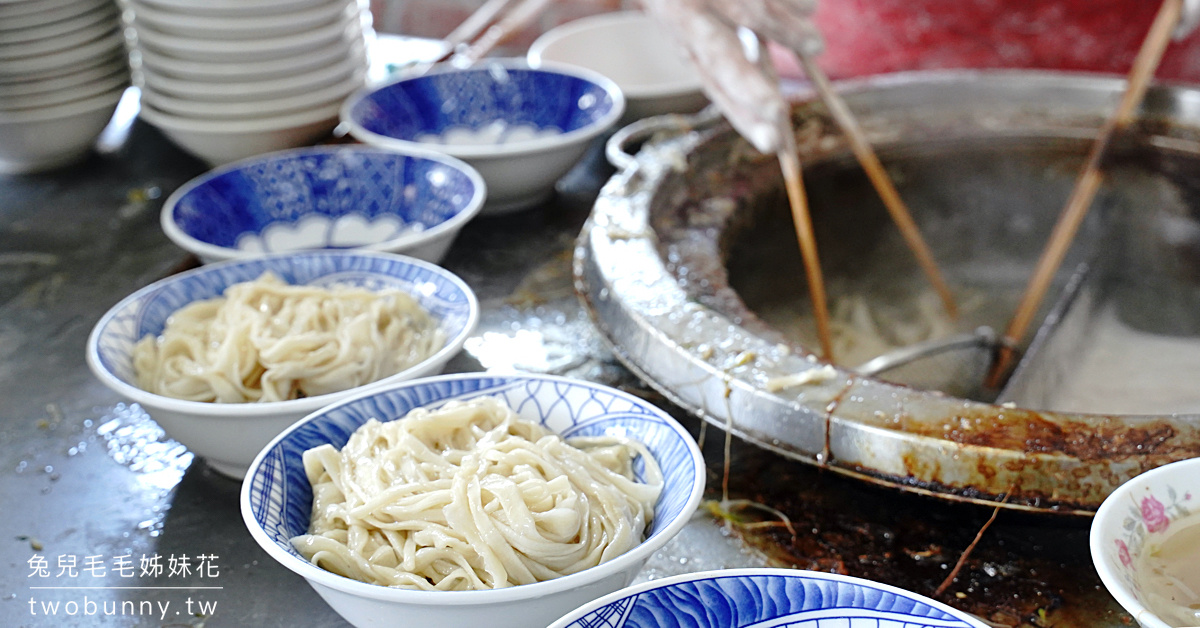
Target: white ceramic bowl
35,13
568,106
105,13
220,142
184,24
234,8
628,47
63,61
343,32
344,196
248,70
90,63
245,91
1139,513
39,139
114,82
32,86
276,498
66,41
237,109
229,435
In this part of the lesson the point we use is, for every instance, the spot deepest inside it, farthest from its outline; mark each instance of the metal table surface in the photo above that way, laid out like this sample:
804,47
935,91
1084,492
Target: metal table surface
105,522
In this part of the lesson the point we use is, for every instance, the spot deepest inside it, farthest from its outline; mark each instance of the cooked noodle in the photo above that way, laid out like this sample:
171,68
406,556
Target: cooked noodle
265,340
470,496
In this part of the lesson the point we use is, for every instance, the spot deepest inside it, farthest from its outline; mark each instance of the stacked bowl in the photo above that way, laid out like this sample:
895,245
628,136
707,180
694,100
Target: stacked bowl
227,79
62,73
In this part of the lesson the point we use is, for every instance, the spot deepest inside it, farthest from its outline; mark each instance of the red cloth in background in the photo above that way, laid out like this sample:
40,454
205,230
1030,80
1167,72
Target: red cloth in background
876,36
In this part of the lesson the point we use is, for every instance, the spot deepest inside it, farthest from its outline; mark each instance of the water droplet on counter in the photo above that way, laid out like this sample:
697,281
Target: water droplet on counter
48,469
21,466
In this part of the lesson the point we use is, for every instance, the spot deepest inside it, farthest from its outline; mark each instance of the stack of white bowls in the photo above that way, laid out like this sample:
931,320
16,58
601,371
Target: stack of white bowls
227,79
62,72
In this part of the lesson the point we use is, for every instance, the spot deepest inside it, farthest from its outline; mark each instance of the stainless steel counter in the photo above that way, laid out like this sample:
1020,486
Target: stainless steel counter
107,523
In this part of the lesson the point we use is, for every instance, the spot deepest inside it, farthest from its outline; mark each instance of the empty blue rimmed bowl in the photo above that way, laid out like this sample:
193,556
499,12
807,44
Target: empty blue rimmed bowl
522,128
407,201
765,598
276,498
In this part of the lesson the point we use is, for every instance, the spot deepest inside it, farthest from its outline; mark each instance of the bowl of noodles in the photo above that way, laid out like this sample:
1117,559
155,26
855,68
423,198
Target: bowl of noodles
226,356
473,499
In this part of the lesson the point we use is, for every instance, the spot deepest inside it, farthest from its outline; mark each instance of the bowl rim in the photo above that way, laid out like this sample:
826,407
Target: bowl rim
1108,518
561,33
229,5
212,251
239,126
742,572
524,147
65,110
220,411
343,29
166,84
60,27
66,81
158,15
254,70
116,80
18,51
36,13
103,46
316,97
636,555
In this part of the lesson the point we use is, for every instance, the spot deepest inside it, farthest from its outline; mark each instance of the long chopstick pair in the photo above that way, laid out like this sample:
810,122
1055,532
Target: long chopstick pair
861,147
1086,186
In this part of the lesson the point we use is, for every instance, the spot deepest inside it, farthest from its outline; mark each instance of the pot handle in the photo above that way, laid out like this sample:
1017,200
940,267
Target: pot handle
623,145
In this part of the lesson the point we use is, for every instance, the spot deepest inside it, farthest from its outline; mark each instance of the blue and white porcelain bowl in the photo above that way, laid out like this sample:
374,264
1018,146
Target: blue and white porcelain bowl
522,128
229,435
762,598
276,497
412,202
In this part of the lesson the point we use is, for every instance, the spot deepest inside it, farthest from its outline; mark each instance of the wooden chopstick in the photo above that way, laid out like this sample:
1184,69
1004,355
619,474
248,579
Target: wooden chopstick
470,28
1144,66
793,181
789,162
879,179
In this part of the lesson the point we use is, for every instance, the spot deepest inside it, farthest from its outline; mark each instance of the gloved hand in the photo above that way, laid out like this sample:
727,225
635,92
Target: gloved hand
724,39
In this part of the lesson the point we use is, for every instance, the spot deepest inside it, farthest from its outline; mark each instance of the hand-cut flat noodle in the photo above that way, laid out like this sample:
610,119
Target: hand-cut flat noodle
470,496
265,340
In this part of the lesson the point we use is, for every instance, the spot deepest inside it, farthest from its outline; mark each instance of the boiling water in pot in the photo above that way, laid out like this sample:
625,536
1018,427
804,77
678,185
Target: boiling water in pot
987,207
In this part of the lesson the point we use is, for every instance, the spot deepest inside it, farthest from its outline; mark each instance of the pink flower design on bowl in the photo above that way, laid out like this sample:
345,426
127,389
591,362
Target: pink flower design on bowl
1154,514
1123,554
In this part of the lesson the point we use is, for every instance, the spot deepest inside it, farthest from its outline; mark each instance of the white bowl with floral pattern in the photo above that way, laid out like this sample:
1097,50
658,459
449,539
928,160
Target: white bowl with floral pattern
1140,513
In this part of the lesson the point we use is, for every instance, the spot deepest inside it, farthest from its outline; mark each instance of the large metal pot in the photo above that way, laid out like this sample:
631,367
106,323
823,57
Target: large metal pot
653,266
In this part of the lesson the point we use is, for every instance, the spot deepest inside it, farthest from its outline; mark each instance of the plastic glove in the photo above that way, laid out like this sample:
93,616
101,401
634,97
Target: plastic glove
723,38
1189,20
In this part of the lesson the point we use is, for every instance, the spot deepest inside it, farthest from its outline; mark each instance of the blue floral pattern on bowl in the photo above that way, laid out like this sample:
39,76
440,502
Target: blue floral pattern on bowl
277,496
774,598
323,197
435,103
145,312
